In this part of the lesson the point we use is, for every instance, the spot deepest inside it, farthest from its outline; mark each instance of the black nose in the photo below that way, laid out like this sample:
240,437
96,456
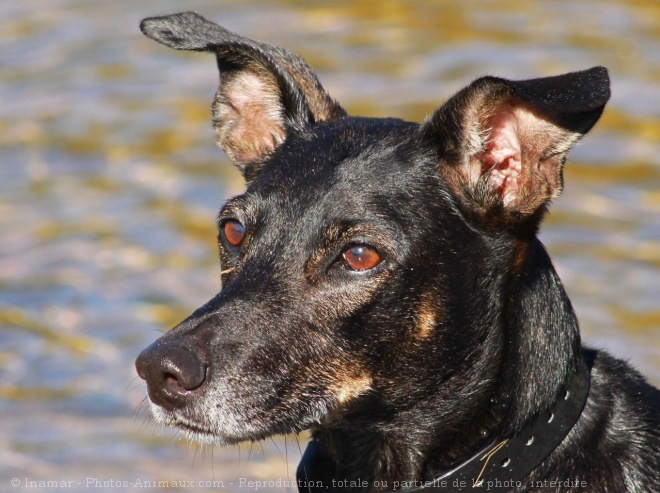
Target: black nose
172,371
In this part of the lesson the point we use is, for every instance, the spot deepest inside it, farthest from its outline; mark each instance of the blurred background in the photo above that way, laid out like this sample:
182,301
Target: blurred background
110,182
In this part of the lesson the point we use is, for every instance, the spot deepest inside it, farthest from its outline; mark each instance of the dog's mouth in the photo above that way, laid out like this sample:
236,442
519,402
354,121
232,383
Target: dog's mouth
221,435
191,428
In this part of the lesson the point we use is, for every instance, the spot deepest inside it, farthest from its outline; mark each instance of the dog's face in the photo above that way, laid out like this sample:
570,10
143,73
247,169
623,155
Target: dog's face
352,265
299,333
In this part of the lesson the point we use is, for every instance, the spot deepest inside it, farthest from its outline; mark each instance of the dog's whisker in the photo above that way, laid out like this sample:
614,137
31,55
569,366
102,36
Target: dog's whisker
277,447
298,443
133,380
139,408
212,463
250,452
286,456
197,445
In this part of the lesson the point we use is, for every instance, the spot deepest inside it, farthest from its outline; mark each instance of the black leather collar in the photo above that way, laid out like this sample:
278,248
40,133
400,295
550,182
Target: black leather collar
499,467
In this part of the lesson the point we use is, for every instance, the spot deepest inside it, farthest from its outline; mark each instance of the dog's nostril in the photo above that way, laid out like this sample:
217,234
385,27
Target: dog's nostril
172,383
186,374
185,378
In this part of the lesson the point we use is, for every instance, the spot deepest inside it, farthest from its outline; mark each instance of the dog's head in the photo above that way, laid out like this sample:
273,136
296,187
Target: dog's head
355,267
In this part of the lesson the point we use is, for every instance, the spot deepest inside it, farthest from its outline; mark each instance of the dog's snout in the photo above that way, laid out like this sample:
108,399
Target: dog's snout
172,371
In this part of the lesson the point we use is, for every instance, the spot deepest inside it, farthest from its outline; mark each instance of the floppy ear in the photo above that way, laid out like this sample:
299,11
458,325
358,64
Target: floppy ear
265,92
502,144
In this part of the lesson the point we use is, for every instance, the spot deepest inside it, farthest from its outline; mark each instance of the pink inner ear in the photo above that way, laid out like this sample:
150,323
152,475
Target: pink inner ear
502,157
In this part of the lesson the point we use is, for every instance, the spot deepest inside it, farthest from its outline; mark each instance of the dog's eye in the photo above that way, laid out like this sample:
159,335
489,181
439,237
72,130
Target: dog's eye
361,257
234,232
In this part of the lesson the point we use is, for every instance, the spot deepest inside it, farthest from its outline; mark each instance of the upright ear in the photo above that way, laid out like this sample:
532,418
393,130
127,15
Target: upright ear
265,92
502,144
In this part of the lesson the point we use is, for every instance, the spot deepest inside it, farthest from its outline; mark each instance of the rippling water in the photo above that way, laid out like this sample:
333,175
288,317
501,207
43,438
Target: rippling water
110,181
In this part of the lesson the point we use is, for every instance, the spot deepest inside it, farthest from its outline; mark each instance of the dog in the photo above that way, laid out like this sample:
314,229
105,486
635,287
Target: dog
383,286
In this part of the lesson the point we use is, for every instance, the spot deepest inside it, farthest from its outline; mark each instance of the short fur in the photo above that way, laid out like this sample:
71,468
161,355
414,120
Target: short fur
463,332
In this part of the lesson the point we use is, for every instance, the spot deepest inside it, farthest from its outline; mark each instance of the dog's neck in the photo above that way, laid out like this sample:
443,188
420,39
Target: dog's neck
542,328
538,326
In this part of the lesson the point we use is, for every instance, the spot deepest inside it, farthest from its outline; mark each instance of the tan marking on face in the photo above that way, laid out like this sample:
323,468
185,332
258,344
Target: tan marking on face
347,388
426,316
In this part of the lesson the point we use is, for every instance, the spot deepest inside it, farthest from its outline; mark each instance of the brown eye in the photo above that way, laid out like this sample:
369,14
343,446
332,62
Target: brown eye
234,232
361,257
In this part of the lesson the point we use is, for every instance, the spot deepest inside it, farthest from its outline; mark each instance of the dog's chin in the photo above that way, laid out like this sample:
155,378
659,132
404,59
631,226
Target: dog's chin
189,428
230,432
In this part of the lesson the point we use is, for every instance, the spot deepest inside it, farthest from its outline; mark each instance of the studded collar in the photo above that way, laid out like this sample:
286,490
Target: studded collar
499,467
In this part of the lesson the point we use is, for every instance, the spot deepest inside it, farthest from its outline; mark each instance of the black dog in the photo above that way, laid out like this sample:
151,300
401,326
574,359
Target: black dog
383,286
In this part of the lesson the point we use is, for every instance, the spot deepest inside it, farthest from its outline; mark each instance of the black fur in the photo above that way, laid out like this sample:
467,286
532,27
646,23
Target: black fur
463,331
